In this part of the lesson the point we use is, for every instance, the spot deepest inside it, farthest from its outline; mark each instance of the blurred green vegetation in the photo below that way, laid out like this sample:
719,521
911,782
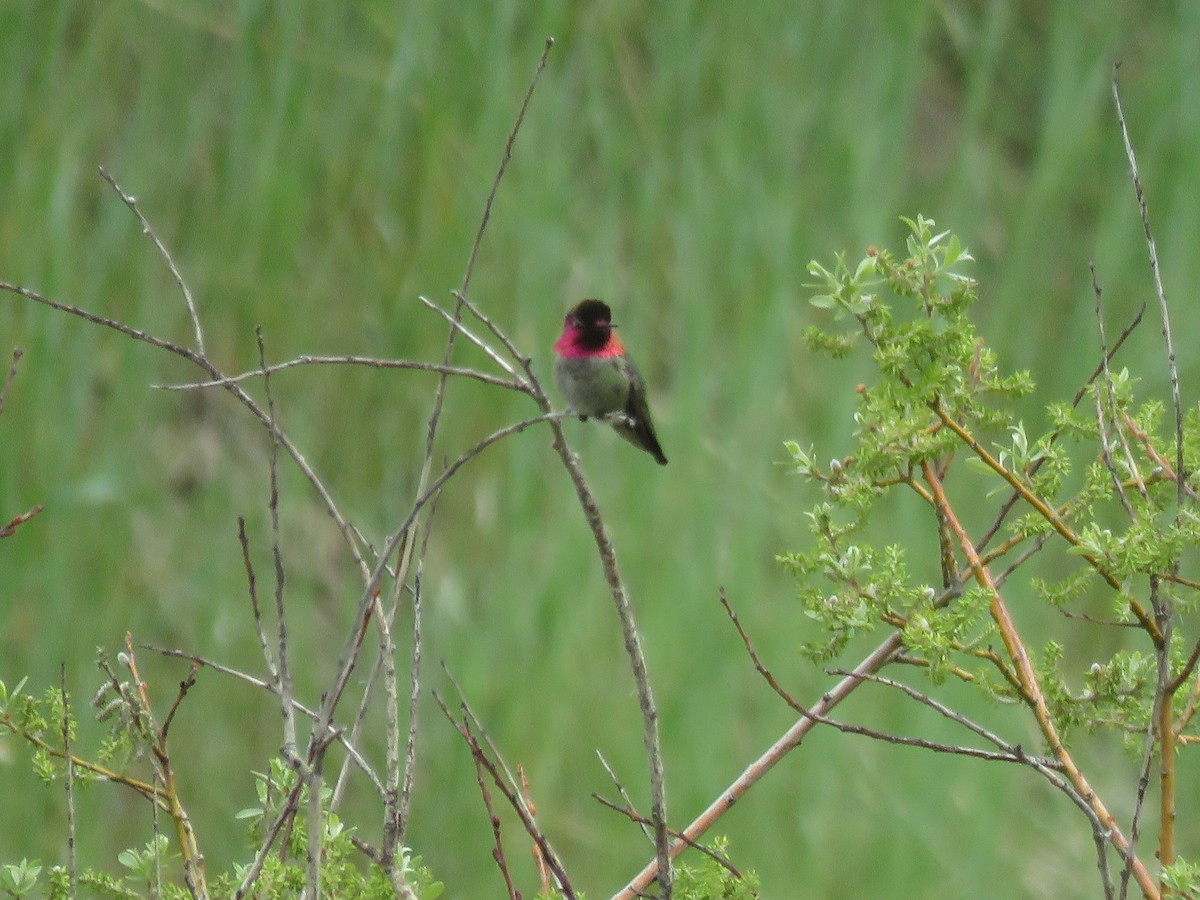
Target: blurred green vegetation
313,167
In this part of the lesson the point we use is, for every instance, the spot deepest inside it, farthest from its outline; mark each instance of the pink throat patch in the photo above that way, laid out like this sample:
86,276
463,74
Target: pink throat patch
568,347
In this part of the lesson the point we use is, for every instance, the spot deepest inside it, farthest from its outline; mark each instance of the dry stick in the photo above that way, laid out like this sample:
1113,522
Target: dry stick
664,852
873,662
10,527
131,202
1163,695
622,605
12,373
387,660
270,687
629,812
1041,765
410,748
305,776
511,796
252,590
470,717
1032,691
202,362
368,361
624,794
440,394
498,852
1159,291
69,783
633,649
1106,411
1011,753
421,492
286,696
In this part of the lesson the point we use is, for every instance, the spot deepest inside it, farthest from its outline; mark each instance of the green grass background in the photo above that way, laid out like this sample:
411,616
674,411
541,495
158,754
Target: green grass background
314,167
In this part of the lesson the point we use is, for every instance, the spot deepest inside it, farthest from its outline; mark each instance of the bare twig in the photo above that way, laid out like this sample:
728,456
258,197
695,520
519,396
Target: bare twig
1008,754
1164,607
504,161
1160,292
8,379
1107,412
498,852
514,799
456,325
69,782
367,361
624,794
283,670
10,527
491,326
410,748
753,773
252,590
270,687
131,202
637,818
202,362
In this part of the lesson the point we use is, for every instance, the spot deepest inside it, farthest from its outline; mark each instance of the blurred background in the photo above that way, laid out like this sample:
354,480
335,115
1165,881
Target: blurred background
314,167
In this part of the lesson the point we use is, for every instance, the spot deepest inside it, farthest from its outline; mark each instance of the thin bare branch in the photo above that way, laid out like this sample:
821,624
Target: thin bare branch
69,781
131,202
624,796
283,665
368,361
491,326
637,818
498,851
457,326
514,799
504,161
1160,292
1106,412
753,773
269,686
10,527
252,590
12,373
1164,607
1007,754
344,527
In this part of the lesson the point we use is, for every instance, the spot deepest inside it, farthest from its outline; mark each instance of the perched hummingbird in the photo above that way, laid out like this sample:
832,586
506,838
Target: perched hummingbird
598,379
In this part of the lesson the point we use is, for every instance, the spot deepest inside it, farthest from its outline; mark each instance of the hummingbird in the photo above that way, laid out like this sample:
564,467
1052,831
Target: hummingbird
598,379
